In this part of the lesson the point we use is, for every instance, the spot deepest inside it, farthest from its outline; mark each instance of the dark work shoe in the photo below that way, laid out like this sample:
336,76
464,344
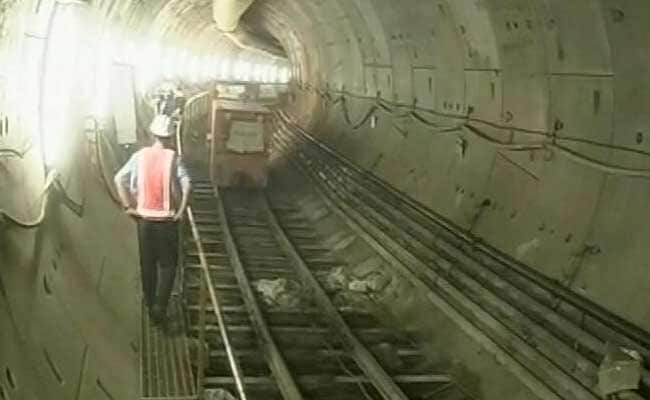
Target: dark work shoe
164,326
157,315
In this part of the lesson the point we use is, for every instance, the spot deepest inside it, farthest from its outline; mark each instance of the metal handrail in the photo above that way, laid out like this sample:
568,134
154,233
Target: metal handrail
206,283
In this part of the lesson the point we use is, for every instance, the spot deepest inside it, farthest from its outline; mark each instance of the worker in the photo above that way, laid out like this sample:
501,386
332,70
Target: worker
148,186
179,101
167,104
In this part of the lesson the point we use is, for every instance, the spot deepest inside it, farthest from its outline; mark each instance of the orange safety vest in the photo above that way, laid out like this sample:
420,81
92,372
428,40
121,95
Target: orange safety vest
154,181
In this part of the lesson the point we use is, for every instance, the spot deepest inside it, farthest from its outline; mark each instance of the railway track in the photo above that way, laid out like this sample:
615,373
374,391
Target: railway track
551,338
306,348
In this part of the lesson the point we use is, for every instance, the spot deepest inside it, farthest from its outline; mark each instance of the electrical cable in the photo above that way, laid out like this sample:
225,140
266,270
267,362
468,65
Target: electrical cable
563,296
69,202
362,121
503,145
469,119
601,166
35,222
439,128
102,171
571,154
51,182
16,153
387,110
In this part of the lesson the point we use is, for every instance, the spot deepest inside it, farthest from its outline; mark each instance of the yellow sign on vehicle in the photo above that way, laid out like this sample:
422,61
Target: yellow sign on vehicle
246,137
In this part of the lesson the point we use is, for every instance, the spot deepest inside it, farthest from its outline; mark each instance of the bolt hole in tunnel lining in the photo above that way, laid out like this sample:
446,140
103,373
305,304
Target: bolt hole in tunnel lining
11,379
617,15
4,126
104,390
53,368
596,101
46,285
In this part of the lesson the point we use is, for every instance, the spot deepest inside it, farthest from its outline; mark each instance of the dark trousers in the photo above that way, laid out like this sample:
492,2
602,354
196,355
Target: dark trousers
158,251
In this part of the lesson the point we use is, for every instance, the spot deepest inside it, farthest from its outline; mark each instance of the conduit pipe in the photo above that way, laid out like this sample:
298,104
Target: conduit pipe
226,13
248,41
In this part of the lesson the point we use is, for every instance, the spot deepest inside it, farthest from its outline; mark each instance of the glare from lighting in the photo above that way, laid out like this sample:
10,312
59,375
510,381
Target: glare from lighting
169,62
60,76
244,71
177,62
285,75
258,74
147,71
128,55
207,70
238,70
183,64
273,73
194,69
216,71
104,60
265,73
224,70
32,59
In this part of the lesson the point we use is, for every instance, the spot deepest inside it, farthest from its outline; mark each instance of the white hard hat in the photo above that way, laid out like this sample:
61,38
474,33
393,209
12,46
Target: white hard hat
161,126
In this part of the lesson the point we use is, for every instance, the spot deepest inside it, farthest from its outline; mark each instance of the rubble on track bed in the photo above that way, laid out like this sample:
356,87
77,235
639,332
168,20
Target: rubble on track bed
218,394
388,355
334,280
359,286
281,293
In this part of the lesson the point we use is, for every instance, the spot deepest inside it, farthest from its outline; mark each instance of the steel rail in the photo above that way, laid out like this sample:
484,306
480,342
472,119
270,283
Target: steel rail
584,314
573,326
207,281
216,306
527,377
470,274
283,376
466,242
570,383
202,321
543,338
376,374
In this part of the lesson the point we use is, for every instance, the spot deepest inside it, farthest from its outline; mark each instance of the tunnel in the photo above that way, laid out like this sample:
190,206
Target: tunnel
487,156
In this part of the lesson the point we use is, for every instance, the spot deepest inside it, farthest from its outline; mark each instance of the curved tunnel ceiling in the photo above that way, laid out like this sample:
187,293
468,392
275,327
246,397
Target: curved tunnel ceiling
523,122
512,74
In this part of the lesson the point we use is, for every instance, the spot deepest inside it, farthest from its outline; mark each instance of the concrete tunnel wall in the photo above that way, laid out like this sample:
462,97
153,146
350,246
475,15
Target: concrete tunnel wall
69,288
69,311
518,63
573,69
